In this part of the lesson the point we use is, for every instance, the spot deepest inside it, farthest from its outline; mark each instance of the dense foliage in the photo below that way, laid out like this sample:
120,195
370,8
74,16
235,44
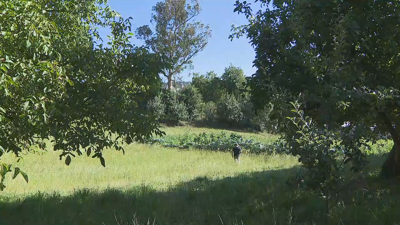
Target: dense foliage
193,100
211,98
59,81
229,110
339,60
208,85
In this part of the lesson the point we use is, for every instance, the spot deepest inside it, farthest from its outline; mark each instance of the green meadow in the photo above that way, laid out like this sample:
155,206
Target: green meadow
155,185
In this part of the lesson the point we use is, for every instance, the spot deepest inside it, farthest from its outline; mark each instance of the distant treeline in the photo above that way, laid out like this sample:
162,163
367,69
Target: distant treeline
212,99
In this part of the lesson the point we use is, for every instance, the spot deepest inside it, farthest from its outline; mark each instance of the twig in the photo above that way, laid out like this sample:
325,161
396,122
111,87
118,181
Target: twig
222,222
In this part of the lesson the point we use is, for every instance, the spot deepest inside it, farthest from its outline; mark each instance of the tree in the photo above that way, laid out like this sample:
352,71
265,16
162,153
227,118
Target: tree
59,82
233,80
193,101
228,109
209,86
177,38
339,59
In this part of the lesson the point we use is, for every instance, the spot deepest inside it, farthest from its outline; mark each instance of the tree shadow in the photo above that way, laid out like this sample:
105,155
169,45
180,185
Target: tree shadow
269,197
249,197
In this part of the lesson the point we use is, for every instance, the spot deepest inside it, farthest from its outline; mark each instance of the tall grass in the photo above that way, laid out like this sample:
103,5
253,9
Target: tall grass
155,185
153,166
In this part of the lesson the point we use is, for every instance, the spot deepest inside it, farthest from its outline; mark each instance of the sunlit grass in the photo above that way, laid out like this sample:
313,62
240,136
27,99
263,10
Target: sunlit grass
172,186
153,166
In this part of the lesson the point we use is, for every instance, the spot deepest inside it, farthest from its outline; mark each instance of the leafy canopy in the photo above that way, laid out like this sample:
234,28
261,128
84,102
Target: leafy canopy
339,59
59,81
234,81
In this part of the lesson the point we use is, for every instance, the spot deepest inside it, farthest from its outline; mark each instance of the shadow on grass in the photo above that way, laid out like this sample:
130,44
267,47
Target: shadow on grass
251,198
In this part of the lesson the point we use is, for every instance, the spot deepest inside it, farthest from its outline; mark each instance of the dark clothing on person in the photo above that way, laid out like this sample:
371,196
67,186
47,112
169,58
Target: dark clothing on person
237,150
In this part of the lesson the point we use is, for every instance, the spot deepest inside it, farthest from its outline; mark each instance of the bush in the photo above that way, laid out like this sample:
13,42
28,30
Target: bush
209,111
156,107
175,111
209,86
248,113
262,120
220,142
228,109
178,112
233,80
193,101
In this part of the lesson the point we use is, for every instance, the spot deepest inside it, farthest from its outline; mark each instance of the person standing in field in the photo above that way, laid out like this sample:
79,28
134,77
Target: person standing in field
236,153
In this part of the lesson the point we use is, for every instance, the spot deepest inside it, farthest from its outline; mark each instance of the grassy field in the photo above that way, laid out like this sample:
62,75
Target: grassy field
155,185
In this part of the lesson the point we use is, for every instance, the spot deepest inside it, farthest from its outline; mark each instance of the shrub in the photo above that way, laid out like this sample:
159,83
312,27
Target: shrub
156,107
178,112
247,110
220,142
233,80
193,101
175,111
209,111
262,120
209,86
228,109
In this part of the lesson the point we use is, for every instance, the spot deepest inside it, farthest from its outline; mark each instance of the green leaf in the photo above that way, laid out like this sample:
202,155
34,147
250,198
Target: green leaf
96,155
103,163
4,68
7,92
28,43
5,168
25,176
16,172
26,105
68,160
11,80
89,151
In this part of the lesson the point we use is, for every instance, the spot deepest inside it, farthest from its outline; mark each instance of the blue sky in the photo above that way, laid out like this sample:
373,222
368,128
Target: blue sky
220,51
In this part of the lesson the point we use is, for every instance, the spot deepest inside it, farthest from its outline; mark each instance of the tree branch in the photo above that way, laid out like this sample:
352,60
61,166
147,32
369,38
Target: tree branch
188,58
164,73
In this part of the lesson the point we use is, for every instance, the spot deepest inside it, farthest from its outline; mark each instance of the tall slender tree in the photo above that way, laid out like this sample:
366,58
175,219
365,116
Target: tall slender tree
176,36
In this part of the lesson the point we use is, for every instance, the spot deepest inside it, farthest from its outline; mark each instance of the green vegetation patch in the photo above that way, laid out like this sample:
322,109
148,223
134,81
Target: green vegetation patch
221,141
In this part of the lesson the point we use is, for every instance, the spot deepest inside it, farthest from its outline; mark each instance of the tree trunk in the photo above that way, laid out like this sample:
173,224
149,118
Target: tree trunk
170,83
391,167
